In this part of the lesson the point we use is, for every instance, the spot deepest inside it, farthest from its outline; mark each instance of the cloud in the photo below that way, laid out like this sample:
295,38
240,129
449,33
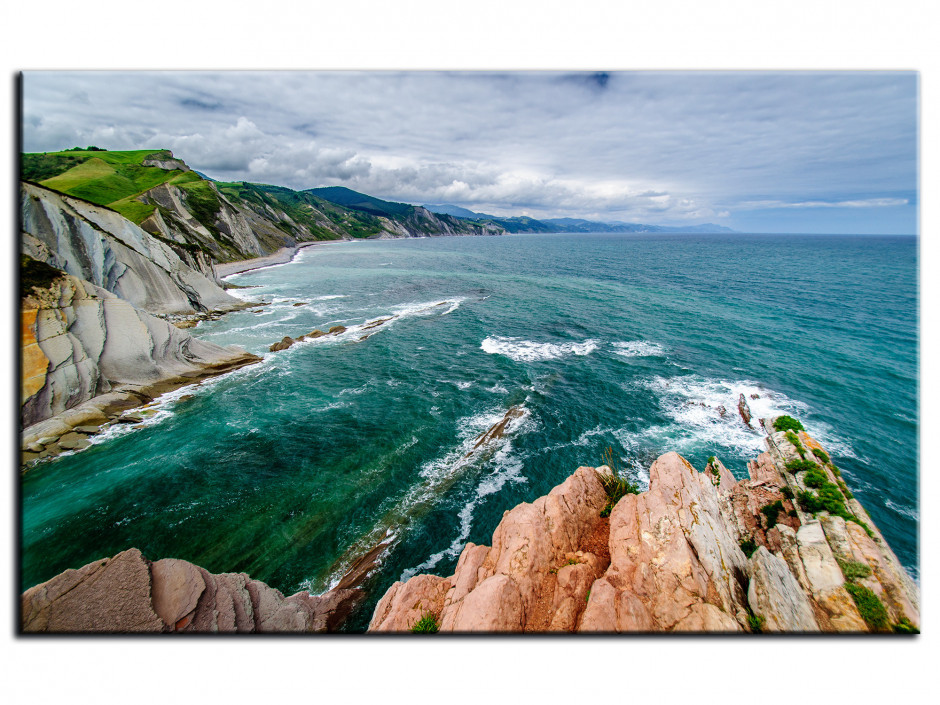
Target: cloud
660,146
858,203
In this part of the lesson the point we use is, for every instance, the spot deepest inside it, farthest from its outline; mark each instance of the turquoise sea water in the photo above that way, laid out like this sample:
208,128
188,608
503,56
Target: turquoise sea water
290,469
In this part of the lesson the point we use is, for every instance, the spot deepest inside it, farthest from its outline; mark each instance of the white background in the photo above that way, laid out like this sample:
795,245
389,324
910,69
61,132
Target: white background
480,34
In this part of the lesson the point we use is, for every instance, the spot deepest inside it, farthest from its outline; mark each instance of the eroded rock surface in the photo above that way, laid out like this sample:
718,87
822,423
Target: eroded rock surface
82,343
676,559
128,593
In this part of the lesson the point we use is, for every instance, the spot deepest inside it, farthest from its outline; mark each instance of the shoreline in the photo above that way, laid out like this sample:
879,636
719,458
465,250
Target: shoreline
282,256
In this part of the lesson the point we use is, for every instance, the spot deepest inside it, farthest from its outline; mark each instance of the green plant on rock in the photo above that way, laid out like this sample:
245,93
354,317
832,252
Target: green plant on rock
787,423
796,466
426,625
795,442
771,511
854,570
756,623
870,607
905,627
615,486
815,478
821,454
748,547
787,492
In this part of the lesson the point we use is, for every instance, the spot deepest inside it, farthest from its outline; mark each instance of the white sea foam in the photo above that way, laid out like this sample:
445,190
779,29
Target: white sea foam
436,476
463,385
706,410
908,512
639,348
508,469
527,351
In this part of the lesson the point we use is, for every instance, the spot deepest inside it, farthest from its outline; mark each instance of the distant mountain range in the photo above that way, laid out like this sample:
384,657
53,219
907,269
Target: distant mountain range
570,225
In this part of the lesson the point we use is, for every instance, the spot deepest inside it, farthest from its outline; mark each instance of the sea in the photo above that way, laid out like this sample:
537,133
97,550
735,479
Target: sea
610,345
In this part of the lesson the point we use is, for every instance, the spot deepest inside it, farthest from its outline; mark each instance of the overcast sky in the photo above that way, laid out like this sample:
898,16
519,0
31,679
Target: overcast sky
755,151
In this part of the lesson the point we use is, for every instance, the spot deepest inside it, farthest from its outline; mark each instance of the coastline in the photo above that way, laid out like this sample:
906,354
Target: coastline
282,256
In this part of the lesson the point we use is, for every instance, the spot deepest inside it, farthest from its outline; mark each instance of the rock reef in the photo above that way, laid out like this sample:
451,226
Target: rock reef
696,552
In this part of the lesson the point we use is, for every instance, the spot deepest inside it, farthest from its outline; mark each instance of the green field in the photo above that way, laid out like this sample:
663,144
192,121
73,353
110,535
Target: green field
112,179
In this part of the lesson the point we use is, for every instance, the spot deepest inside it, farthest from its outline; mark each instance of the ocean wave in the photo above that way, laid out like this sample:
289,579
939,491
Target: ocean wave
527,351
639,348
909,512
508,468
705,410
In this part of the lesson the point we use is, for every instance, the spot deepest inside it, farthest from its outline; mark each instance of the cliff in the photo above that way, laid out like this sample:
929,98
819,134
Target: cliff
697,551
104,248
128,593
205,221
88,355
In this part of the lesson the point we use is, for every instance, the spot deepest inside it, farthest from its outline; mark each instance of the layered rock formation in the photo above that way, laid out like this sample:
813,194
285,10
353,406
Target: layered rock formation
102,247
128,593
88,355
696,552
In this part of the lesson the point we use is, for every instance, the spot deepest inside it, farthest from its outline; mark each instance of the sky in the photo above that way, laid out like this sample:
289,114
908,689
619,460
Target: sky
800,152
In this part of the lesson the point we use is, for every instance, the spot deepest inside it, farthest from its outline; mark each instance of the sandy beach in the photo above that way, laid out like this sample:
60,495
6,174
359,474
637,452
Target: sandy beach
283,255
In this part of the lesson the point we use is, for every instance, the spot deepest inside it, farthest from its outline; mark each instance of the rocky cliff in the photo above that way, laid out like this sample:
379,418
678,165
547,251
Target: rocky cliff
787,550
87,355
104,248
128,593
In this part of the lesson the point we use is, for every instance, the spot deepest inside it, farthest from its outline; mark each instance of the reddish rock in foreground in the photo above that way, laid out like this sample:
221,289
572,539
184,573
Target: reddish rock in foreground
128,593
677,559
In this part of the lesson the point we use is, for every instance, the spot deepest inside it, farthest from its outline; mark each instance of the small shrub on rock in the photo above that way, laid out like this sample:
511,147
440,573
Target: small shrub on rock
905,627
771,511
854,570
870,607
748,547
787,423
787,492
796,466
756,623
815,478
795,441
426,625
616,488
821,454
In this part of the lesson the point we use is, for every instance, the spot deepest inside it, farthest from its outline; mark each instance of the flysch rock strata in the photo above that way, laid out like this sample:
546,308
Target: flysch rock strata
100,246
128,593
676,563
89,355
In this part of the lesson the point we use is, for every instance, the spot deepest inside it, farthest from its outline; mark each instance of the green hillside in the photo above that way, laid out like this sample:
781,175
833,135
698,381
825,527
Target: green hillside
112,179
303,207
361,202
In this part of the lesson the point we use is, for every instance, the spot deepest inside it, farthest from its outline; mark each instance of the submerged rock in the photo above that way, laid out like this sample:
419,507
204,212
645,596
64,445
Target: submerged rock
284,343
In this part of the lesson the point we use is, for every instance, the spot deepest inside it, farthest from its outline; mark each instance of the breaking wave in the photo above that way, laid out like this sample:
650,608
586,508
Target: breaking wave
527,351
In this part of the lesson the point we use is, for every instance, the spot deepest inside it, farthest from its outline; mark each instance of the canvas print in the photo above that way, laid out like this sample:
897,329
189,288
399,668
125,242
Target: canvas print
499,352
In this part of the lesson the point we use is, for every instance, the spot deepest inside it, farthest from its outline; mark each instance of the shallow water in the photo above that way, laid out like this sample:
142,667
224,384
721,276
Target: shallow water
290,469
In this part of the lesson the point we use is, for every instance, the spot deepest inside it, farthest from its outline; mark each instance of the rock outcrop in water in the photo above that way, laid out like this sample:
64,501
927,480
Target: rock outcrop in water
128,593
696,552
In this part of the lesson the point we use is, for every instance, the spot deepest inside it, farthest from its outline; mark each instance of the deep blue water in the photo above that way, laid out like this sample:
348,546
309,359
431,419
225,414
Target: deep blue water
289,469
